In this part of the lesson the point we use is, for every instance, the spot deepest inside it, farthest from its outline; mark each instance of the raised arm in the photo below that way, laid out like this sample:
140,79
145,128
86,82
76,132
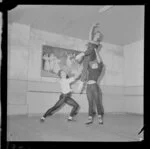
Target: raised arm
98,57
93,30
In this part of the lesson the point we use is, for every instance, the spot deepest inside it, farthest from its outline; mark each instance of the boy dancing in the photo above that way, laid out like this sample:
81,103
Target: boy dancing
65,97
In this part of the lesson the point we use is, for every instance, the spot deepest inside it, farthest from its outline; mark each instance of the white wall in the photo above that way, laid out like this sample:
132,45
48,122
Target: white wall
133,68
29,93
18,47
133,77
26,87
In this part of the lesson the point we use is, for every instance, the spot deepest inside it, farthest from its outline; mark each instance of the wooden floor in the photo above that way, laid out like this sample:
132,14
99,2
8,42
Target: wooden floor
116,127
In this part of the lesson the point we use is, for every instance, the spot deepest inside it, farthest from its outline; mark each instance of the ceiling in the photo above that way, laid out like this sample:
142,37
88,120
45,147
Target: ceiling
120,24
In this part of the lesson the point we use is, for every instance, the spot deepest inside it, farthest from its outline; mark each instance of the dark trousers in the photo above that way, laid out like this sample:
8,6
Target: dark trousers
64,98
94,96
84,74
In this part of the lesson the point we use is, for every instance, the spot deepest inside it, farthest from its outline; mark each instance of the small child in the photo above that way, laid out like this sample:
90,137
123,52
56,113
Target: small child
65,96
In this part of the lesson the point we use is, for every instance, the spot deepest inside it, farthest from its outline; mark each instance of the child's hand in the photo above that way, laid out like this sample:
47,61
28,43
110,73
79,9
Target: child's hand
79,56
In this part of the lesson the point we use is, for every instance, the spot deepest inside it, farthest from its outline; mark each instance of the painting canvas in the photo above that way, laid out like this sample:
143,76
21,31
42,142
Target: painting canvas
55,59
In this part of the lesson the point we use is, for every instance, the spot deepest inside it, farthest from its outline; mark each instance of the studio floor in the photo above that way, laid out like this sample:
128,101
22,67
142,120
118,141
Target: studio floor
116,127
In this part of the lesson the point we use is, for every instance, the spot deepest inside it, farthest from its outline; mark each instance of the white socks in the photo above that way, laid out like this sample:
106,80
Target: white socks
90,117
99,116
100,119
42,118
90,120
70,118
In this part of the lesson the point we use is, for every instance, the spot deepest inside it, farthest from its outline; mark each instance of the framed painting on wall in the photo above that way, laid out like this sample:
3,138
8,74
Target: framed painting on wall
55,59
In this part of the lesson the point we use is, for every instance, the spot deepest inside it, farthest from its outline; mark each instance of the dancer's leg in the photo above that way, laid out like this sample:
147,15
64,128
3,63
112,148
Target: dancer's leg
90,100
70,101
89,92
98,100
84,73
85,67
58,104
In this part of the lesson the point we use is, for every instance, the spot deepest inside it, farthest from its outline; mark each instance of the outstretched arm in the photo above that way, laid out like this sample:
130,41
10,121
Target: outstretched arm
75,78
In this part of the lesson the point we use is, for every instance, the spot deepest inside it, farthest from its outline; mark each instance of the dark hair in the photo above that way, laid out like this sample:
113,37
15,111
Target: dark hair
59,73
100,37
